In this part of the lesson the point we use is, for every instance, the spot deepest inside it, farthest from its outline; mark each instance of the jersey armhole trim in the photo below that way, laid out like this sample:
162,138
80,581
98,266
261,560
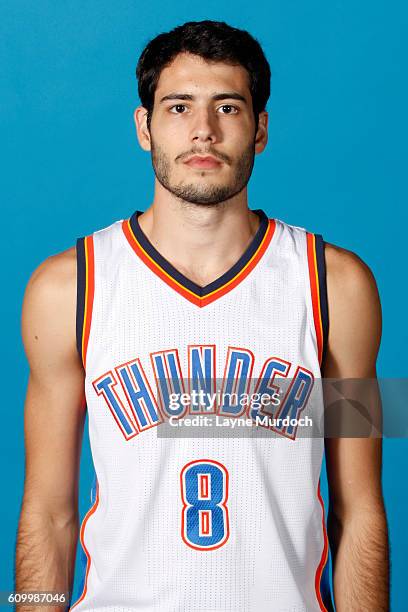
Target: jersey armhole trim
85,293
322,581
318,287
92,509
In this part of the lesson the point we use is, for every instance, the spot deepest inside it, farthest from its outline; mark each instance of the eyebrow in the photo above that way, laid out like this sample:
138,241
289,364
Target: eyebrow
229,95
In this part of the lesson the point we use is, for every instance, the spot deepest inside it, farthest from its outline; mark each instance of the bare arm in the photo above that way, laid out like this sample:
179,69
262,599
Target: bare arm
356,522
54,417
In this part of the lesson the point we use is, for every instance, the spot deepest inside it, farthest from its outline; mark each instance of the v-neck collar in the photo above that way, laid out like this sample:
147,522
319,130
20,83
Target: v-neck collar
200,296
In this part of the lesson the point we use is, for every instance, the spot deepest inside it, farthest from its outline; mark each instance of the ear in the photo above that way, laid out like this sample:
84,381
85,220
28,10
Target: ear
143,134
261,136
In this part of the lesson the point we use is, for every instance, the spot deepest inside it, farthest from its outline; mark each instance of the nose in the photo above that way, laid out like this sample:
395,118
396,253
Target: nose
204,128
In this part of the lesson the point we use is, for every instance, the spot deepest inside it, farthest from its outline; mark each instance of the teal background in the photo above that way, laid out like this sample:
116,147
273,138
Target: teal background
70,163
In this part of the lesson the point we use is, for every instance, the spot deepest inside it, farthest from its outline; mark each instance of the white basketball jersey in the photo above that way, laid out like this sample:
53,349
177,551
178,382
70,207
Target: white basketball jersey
205,498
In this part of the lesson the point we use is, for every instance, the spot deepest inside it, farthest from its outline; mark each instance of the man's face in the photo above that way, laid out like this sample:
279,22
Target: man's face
202,131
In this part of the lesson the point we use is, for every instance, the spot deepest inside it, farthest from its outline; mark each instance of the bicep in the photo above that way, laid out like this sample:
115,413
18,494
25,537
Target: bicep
54,406
353,458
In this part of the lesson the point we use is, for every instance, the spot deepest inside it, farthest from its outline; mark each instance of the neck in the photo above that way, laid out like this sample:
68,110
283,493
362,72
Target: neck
201,241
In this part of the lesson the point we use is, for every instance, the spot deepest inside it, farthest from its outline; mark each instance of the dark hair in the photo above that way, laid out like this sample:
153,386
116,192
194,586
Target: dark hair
211,40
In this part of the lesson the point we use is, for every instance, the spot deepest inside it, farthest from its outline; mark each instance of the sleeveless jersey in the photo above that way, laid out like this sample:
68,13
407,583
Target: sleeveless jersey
188,516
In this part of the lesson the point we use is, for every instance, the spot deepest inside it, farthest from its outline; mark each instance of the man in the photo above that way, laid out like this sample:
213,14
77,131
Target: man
200,288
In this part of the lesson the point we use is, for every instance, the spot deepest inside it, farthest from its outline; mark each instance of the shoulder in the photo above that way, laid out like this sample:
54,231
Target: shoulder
348,276
55,274
49,305
63,263
354,314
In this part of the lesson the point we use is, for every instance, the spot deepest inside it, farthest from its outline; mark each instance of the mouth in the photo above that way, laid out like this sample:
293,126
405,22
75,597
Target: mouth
207,162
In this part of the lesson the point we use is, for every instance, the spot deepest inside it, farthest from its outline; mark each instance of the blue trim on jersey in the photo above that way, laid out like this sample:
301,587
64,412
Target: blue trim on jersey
82,558
325,589
321,273
183,280
81,290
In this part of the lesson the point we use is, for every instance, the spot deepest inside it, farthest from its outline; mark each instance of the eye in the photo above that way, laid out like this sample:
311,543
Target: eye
177,109
229,109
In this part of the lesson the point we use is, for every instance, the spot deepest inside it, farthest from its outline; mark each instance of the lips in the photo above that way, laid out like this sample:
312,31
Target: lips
203,162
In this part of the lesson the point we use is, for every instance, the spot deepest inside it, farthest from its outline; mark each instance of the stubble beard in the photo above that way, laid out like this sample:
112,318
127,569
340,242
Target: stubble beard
202,194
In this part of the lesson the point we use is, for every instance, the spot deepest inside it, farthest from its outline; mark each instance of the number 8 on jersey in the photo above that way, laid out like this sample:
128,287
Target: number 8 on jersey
204,493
